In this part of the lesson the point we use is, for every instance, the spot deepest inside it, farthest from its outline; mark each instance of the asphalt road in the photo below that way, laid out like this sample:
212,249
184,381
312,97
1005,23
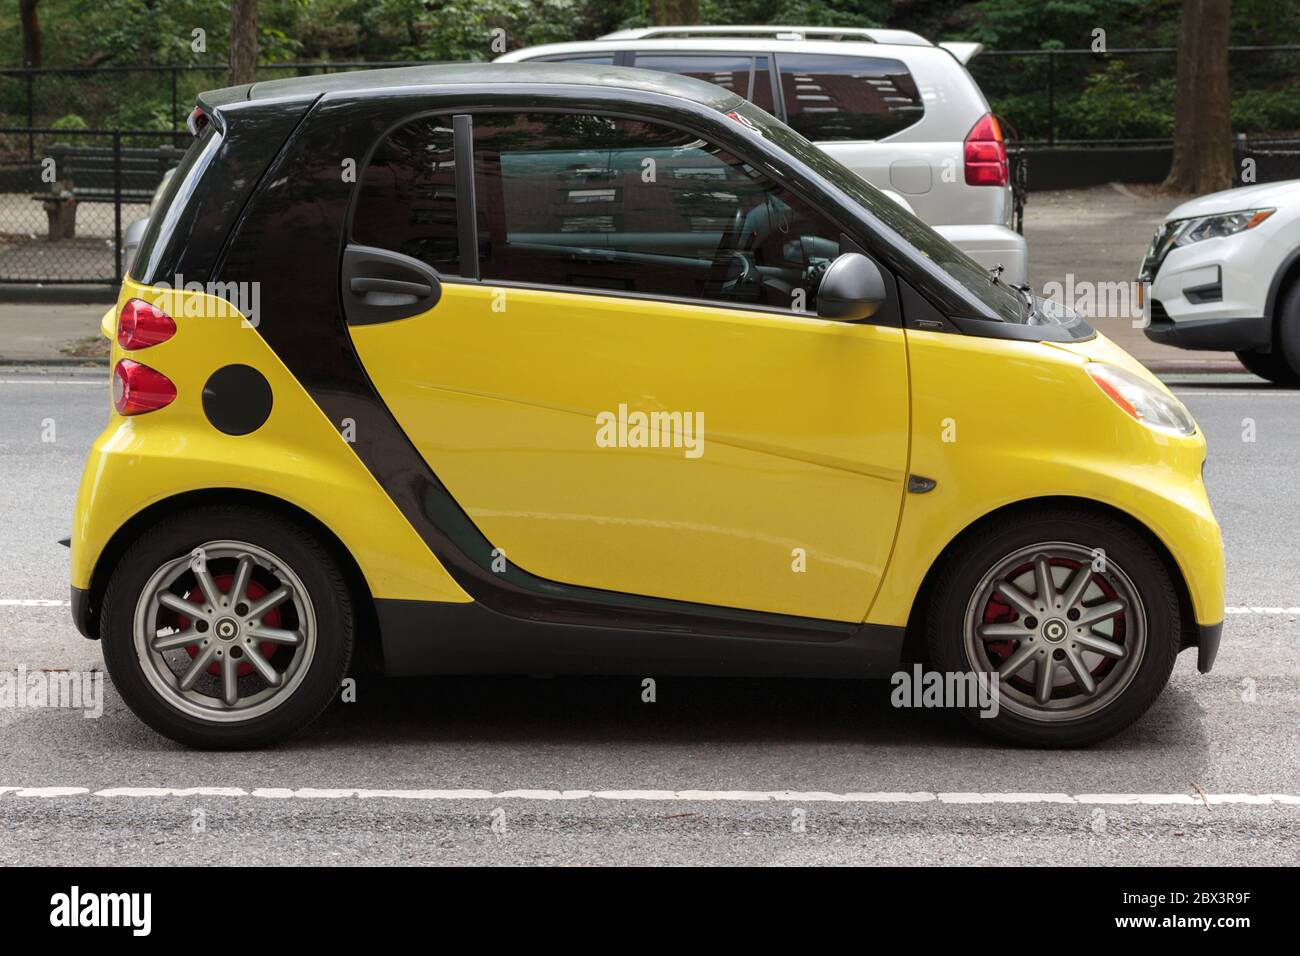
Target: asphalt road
556,771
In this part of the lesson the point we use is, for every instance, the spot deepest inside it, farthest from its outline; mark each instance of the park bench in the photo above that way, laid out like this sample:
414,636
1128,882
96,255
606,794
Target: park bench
90,174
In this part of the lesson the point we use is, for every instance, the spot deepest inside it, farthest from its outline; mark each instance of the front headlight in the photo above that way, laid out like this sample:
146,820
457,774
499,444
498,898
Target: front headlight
1154,408
1225,224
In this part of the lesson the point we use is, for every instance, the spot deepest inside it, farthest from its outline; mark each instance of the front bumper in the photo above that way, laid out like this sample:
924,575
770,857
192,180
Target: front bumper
1207,645
1221,335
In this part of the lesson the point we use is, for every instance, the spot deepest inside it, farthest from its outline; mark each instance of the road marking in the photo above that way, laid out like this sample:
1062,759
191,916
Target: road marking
1234,392
675,796
32,602
45,381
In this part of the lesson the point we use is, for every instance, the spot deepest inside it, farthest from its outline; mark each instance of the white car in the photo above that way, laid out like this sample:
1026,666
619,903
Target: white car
902,113
1223,273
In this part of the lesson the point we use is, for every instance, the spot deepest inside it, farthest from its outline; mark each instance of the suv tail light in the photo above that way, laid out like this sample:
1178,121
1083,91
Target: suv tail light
140,325
196,121
986,154
138,388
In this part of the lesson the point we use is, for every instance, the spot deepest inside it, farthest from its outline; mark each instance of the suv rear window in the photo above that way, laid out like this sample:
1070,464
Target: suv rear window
833,97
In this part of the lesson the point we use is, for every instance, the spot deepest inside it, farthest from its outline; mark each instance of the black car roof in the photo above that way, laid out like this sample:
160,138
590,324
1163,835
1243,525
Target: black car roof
453,74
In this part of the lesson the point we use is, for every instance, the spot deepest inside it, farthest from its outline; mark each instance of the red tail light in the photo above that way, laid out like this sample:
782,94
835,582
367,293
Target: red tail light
986,154
141,325
138,388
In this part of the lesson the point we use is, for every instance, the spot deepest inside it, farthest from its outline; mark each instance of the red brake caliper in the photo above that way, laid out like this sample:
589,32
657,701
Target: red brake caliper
271,619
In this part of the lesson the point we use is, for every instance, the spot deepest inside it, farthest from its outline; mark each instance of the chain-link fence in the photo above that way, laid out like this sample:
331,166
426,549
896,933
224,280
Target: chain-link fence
128,97
1078,97
82,153
67,196
1266,160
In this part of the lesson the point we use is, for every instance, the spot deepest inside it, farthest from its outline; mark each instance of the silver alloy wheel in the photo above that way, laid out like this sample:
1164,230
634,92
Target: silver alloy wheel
1071,636
178,641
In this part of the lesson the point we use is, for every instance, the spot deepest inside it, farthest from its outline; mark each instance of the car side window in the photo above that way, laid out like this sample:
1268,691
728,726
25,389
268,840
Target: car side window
596,202
744,75
407,200
836,97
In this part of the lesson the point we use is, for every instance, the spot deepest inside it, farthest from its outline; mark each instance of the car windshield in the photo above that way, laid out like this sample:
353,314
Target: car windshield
1002,301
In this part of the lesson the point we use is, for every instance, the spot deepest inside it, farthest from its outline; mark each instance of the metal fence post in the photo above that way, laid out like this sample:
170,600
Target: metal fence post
31,118
1051,98
117,206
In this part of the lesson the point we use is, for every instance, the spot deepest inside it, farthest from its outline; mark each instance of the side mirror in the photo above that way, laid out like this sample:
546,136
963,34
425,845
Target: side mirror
851,289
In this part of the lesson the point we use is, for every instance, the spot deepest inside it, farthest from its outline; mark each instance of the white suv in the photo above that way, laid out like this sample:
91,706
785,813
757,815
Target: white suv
899,111
1223,272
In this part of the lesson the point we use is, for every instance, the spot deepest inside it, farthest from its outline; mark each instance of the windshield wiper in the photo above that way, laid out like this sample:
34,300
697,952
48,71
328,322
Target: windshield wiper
1032,315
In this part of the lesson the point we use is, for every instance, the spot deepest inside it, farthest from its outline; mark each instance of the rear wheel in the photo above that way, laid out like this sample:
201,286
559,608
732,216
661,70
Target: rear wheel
227,627
1075,614
1269,365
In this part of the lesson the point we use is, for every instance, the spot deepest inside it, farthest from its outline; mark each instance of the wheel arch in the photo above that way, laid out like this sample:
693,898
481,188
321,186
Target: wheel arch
133,527
1287,274
914,648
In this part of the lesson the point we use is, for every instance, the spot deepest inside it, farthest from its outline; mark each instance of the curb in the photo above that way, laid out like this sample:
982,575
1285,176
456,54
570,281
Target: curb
58,294
66,362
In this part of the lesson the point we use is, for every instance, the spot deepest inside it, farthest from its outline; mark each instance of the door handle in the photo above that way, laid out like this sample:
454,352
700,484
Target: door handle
379,285
363,284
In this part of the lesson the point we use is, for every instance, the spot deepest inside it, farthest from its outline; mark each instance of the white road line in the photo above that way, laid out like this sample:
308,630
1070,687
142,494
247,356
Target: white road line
1252,609
667,796
1233,393
45,381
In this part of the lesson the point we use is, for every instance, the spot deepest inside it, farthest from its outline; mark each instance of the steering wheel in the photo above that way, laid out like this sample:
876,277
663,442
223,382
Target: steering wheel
732,267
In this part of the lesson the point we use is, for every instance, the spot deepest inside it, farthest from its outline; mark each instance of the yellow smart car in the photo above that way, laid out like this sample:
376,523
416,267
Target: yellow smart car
539,368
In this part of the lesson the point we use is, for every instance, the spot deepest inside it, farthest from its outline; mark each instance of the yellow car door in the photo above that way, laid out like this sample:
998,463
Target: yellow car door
630,389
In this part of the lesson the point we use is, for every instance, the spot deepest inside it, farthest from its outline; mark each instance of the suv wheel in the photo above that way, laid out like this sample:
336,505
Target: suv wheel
1073,611
1287,336
1269,365
227,627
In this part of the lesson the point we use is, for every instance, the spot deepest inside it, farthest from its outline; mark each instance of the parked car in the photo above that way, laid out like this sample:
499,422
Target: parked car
603,371
899,111
134,232
1223,273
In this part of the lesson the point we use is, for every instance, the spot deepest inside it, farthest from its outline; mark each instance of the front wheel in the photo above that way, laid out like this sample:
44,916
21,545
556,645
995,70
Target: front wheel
1073,612
227,627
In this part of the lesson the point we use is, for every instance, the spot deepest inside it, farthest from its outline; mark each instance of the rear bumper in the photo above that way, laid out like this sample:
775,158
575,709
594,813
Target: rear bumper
1230,335
992,245
1207,646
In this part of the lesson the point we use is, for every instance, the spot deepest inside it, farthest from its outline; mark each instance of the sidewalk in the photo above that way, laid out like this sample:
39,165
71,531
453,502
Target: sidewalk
51,333
1100,235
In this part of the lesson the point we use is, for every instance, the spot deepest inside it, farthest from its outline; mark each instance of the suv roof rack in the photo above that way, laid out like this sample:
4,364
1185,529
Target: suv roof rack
857,34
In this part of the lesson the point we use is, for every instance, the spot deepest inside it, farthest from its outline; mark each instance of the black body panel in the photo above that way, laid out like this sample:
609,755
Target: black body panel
427,638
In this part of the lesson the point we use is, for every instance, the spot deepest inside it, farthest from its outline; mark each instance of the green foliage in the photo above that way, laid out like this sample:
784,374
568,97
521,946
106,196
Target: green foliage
1115,104
70,121
1267,111
1095,96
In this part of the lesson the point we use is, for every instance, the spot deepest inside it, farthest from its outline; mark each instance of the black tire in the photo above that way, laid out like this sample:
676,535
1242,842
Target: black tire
1271,366
1287,334
301,553
959,579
